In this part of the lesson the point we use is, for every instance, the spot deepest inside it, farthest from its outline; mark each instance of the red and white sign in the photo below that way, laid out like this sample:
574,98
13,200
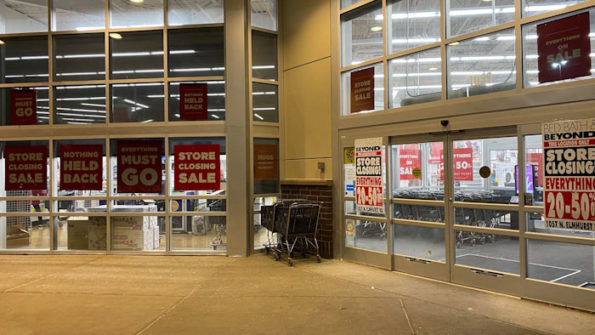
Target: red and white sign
139,166
409,159
25,167
368,175
536,159
23,107
81,167
265,162
563,48
362,90
463,164
193,102
197,167
569,171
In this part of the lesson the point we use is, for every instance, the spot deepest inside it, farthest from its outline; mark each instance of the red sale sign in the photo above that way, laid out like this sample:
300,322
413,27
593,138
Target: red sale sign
139,166
563,48
265,162
463,164
362,90
25,167
193,102
197,167
23,107
409,159
81,167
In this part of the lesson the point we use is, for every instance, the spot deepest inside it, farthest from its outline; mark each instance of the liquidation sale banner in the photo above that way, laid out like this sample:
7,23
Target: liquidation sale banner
25,167
569,171
362,90
409,159
193,102
139,166
265,162
197,167
23,107
81,167
463,164
368,175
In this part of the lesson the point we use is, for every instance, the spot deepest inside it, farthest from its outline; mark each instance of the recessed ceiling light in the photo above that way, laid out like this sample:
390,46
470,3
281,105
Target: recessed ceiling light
433,68
1,42
115,36
454,43
486,0
376,28
137,1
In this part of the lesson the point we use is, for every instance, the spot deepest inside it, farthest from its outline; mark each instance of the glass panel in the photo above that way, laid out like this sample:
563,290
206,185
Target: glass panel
265,102
486,218
79,57
173,142
142,102
80,233
418,171
79,104
533,170
264,14
129,14
378,89
420,242
198,233
361,34
262,236
24,59
215,100
37,172
501,255
78,205
563,263
266,166
536,223
23,16
364,234
350,208
497,154
42,103
196,52
24,232
136,55
132,177
481,65
181,12
198,205
137,233
412,24
264,55
347,3
418,212
72,171
78,15
349,171
534,7
415,78
530,68
466,16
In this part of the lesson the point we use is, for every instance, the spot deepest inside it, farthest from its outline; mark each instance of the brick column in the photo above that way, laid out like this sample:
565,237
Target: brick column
321,192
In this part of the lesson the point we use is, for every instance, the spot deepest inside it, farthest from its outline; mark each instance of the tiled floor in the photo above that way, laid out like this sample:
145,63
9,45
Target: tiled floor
254,295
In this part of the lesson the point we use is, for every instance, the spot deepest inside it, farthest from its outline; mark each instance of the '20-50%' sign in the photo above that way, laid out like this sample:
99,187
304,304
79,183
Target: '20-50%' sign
571,205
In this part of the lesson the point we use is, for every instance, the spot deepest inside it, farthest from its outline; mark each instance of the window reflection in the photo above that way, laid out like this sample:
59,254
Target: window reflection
361,34
180,12
136,55
416,78
79,57
79,104
129,14
265,102
264,55
264,14
24,59
78,15
142,102
466,16
196,52
23,16
412,24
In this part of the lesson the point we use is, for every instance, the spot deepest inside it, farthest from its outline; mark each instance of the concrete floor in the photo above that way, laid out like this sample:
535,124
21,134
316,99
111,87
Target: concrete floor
255,295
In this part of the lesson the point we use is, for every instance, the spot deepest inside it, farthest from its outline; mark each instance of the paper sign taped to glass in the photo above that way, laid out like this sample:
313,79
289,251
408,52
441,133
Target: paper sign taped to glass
368,176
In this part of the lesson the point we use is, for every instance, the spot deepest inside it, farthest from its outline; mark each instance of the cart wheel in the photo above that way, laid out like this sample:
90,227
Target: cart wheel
459,244
290,262
318,258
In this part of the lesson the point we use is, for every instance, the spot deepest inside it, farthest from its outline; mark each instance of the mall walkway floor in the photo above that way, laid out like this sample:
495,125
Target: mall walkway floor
255,295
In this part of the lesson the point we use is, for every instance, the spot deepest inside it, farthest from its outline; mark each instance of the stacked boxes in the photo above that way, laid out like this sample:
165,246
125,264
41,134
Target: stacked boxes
78,228
135,233
96,233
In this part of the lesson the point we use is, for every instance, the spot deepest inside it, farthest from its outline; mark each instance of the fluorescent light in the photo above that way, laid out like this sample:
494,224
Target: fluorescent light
414,40
258,116
92,105
83,115
87,28
265,108
376,28
215,116
181,52
1,42
263,67
197,69
83,56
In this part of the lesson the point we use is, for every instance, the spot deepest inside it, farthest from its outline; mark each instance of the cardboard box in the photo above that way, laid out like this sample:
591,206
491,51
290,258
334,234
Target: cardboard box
97,233
133,233
78,233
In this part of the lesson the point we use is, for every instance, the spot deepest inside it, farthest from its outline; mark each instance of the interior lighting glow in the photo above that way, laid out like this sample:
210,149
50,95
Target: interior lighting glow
414,40
376,28
540,8
137,1
487,11
196,69
454,43
265,108
92,105
258,116
115,36
83,115
215,116
87,28
1,42
263,67
433,68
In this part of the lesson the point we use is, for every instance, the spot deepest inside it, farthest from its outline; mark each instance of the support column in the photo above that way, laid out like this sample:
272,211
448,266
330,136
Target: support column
236,128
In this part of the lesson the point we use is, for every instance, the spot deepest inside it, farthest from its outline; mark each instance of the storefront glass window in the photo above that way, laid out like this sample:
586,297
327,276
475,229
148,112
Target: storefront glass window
265,103
264,55
264,14
215,100
79,104
142,102
24,59
501,254
78,15
23,16
41,99
196,52
415,78
534,7
361,34
378,98
412,24
466,16
266,166
366,234
136,55
180,12
481,65
128,14
79,57
419,242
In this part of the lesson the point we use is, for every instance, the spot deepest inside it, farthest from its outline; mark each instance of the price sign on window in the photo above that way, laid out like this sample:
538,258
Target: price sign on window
368,175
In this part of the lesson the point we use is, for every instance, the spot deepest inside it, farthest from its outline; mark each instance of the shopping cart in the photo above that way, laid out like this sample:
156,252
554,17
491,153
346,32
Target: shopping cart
291,223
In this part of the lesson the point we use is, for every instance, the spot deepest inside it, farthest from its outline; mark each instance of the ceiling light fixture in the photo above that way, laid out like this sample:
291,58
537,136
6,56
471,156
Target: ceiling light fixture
454,43
433,68
115,36
376,28
137,1
1,42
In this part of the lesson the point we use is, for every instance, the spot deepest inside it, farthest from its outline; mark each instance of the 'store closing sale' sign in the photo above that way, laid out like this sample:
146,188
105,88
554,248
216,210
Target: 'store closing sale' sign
197,167
81,167
25,167
368,175
569,155
139,166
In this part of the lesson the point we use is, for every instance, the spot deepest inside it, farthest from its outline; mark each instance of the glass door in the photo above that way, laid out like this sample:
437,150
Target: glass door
419,234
